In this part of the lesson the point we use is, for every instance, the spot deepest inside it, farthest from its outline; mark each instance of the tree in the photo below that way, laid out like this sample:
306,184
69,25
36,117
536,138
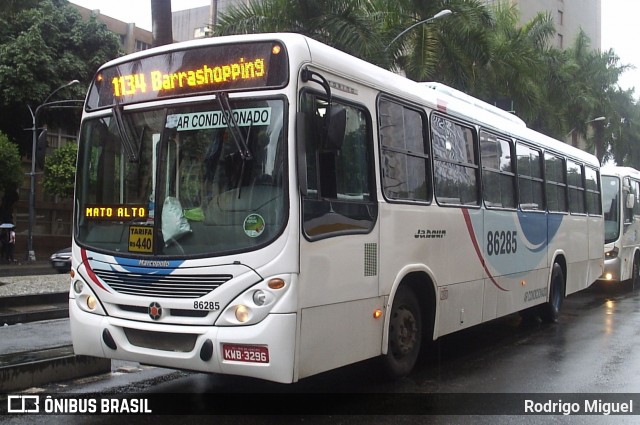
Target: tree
352,26
60,171
448,50
43,45
515,68
483,51
10,177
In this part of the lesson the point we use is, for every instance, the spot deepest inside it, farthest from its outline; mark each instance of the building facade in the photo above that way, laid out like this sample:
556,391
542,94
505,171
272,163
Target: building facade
569,16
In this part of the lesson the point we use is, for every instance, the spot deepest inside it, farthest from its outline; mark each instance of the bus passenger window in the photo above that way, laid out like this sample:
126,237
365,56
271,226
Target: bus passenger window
530,183
594,201
576,188
455,162
498,174
556,177
405,155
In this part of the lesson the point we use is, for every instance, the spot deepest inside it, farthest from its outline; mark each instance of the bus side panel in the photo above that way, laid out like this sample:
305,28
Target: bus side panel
338,289
574,231
462,307
515,247
596,253
335,335
443,241
629,240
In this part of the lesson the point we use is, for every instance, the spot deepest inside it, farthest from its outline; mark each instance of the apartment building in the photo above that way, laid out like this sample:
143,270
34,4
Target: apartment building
568,16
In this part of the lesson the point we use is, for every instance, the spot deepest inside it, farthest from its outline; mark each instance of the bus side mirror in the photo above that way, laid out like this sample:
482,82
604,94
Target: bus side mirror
630,201
337,127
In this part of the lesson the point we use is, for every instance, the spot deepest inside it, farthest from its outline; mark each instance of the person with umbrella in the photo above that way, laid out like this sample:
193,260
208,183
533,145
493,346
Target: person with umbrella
8,237
11,247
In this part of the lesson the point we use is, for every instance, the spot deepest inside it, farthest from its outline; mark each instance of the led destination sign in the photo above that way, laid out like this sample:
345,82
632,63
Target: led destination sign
116,212
191,71
130,85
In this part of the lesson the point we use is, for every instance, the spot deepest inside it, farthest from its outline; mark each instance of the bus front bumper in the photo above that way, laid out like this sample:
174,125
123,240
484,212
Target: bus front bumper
265,350
612,271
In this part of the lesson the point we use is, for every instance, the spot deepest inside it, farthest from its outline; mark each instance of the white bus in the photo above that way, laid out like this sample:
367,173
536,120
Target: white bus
620,192
268,206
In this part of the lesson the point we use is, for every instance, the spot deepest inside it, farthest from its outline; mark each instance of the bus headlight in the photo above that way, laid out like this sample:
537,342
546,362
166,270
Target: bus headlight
254,304
78,287
92,302
243,313
85,299
259,298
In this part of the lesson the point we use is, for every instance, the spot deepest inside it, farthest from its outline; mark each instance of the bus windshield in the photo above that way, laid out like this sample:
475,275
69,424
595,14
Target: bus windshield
611,207
184,180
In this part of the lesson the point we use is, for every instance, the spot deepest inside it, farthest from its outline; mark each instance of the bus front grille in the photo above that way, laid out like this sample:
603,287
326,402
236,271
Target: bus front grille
162,286
165,341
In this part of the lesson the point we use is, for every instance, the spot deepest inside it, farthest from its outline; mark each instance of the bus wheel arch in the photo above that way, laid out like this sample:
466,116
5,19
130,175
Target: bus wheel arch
410,325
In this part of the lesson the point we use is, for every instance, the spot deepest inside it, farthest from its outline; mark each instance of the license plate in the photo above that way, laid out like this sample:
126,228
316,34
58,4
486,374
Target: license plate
245,353
58,264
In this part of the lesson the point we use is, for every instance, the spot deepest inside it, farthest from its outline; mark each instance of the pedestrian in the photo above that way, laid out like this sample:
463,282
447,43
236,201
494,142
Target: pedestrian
11,245
4,241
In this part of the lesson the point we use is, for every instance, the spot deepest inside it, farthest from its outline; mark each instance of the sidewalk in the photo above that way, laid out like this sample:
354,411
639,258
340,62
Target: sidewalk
39,352
26,268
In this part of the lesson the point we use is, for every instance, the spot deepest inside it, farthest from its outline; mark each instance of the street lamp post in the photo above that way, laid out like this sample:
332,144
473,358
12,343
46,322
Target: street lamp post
31,255
441,14
574,139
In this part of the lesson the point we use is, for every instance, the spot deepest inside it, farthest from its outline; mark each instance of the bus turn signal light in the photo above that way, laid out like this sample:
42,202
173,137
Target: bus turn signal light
276,283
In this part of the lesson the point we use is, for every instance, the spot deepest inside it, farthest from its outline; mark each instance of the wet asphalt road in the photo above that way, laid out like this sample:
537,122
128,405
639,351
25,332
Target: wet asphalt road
593,349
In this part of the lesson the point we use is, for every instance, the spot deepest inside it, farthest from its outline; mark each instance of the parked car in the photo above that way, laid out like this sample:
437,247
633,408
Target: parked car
61,260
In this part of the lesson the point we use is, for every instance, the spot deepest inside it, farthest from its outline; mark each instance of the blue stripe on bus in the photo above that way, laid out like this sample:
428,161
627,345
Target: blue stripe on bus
539,228
133,265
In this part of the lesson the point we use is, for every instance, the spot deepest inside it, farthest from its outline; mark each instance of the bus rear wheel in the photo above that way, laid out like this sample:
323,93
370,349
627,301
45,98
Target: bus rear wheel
550,310
405,334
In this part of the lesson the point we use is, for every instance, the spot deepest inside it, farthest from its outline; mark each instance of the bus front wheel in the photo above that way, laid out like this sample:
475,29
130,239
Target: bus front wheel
405,333
550,310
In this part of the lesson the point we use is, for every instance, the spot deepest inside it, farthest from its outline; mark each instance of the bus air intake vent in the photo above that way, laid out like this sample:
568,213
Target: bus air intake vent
162,286
165,341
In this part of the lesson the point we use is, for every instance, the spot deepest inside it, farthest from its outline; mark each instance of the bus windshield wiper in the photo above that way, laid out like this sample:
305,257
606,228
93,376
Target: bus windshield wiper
125,138
234,128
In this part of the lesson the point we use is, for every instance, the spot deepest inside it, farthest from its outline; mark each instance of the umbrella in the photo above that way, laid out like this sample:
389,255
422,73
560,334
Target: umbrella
6,226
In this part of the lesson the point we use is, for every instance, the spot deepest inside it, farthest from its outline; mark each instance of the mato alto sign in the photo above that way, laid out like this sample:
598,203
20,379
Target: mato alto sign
219,119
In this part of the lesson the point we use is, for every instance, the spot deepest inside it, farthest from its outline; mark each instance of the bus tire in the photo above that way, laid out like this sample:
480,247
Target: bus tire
405,333
550,310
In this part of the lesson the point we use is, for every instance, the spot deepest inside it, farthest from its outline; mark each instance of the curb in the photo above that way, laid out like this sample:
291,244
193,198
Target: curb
32,308
19,371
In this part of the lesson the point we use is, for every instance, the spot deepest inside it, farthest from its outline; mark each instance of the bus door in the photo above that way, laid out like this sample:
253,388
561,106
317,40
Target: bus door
339,247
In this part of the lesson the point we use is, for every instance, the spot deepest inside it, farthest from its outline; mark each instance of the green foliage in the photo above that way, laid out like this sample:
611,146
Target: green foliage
12,174
60,171
44,44
479,49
